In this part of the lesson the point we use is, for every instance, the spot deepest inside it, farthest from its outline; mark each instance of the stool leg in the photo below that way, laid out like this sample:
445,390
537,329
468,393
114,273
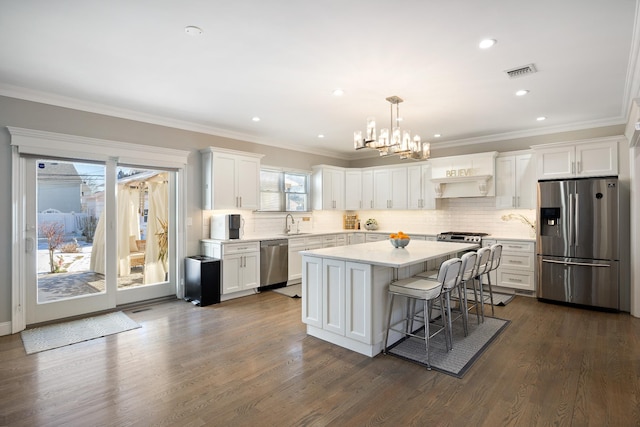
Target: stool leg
386,337
412,314
475,298
426,333
481,288
462,290
490,291
449,324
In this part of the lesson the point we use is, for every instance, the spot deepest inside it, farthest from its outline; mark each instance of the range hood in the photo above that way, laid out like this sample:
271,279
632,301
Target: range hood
469,175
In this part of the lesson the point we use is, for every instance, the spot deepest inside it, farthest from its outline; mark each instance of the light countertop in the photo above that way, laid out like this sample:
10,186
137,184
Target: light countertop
275,236
384,254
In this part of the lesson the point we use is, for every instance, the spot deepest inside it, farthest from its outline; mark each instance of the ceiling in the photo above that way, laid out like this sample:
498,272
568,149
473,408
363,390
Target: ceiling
280,60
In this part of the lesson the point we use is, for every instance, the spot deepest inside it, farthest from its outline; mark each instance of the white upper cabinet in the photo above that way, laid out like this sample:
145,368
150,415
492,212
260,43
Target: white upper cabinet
231,179
595,157
421,193
390,188
328,188
367,189
515,181
353,189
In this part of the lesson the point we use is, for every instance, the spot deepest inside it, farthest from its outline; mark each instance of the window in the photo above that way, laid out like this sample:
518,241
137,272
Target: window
284,191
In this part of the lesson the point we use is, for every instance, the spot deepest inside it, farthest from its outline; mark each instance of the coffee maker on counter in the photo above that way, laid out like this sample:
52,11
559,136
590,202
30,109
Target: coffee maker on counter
226,227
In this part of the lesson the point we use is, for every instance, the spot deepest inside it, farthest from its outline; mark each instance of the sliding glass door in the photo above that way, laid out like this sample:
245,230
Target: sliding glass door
99,236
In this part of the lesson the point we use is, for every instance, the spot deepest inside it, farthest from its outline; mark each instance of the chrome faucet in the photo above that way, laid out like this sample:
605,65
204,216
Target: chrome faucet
287,227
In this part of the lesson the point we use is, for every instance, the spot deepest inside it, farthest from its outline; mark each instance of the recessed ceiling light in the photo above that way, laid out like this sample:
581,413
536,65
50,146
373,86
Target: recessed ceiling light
256,119
192,30
487,43
337,92
437,135
541,118
522,92
321,136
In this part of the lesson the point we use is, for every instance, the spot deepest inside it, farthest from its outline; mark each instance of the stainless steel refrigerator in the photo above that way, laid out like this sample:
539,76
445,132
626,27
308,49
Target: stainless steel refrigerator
577,242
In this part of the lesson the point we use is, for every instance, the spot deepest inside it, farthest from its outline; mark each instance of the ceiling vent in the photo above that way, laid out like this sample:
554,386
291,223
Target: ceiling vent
521,71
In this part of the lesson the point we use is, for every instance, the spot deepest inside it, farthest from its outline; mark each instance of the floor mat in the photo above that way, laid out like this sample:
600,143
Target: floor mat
293,291
67,333
466,350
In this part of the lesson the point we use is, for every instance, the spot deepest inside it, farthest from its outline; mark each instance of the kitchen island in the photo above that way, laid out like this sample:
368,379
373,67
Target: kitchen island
345,289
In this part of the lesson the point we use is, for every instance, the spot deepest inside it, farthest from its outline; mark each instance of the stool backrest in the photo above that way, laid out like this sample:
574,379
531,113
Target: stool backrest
449,273
496,254
484,261
468,267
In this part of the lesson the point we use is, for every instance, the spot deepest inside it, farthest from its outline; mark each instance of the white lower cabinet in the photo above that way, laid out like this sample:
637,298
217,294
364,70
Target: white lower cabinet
240,264
312,291
342,297
517,263
376,237
355,238
296,245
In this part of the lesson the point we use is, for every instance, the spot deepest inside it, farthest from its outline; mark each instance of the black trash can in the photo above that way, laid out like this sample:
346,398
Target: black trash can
202,280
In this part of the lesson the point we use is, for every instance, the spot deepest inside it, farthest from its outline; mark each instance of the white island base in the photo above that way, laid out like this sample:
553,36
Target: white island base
345,289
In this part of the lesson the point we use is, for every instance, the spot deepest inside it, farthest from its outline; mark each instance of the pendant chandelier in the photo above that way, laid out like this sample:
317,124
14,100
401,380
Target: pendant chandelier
392,141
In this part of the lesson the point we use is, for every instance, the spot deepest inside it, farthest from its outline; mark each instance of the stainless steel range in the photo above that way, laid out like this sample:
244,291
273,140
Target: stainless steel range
461,236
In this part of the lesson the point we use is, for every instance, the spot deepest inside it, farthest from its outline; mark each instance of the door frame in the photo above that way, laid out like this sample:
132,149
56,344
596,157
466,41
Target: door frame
41,143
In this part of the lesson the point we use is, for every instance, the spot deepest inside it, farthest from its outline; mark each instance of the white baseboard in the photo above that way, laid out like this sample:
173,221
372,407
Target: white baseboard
5,328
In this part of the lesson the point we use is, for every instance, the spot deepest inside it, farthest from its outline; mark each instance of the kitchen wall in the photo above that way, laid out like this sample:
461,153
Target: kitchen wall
465,214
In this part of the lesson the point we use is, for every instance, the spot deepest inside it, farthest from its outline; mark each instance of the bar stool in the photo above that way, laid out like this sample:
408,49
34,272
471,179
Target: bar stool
494,263
483,263
428,290
467,273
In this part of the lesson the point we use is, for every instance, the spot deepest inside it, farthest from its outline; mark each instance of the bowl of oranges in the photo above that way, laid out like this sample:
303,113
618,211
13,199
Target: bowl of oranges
399,239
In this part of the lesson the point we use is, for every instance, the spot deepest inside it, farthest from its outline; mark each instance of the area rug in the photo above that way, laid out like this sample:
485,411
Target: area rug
293,291
67,333
466,350
499,299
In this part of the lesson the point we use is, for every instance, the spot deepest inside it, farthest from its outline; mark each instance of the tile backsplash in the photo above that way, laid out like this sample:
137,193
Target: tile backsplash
477,214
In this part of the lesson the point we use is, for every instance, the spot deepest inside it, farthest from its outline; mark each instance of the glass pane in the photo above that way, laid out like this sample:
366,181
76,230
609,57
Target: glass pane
296,202
270,180
143,225
295,183
70,199
270,201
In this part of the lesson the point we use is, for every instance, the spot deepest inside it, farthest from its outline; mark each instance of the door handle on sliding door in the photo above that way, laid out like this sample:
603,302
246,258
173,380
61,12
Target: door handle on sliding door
30,244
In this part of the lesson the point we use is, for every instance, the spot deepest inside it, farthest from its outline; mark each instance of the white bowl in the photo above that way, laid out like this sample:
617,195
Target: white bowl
399,243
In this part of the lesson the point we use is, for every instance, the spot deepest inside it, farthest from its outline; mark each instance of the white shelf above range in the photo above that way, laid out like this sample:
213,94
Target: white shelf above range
481,180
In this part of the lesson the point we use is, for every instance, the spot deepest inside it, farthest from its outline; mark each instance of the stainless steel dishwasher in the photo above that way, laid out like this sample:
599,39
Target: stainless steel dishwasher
274,262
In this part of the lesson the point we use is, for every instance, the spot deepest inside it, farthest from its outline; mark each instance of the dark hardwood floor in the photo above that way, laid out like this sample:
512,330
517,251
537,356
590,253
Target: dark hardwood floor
249,362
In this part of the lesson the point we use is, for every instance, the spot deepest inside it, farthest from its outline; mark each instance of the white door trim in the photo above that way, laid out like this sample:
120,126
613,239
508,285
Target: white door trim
28,141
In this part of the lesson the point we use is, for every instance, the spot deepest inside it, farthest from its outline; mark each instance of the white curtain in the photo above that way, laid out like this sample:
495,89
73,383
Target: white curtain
155,269
97,261
128,225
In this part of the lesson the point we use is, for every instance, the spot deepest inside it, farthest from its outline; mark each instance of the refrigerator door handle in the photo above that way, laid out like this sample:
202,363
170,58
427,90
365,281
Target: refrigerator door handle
582,264
576,228
571,218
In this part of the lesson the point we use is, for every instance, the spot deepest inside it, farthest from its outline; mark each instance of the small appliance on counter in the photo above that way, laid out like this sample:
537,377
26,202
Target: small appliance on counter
226,227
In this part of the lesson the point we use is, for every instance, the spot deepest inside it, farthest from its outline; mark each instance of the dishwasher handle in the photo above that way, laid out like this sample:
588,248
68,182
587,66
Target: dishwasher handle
268,243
